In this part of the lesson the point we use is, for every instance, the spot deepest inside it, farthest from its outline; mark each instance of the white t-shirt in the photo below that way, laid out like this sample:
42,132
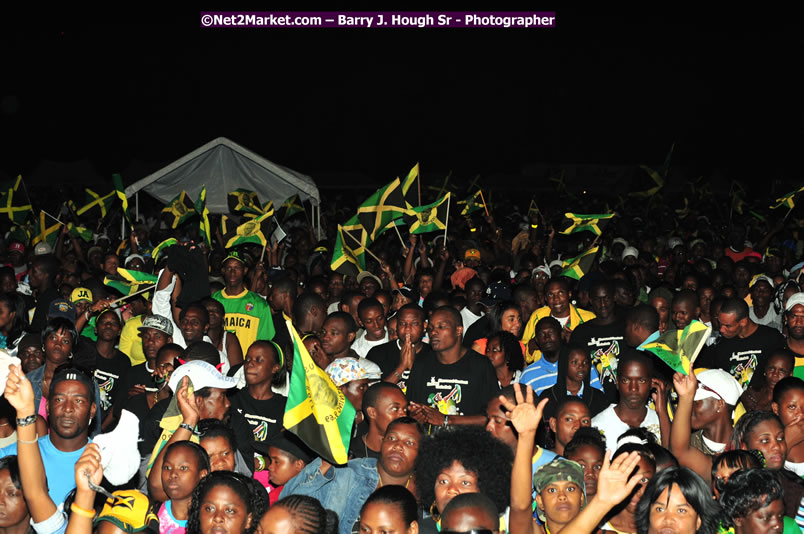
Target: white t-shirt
797,468
361,345
468,318
612,427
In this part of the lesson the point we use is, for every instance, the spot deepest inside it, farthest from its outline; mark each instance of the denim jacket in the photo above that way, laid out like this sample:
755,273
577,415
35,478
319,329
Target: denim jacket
342,489
36,377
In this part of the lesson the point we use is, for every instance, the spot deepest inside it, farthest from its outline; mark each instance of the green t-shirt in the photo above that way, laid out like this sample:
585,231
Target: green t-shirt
247,315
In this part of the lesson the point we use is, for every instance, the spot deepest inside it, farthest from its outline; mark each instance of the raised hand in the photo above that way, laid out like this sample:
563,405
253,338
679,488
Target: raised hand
617,479
685,385
407,353
19,392
186,401
524,415
88,468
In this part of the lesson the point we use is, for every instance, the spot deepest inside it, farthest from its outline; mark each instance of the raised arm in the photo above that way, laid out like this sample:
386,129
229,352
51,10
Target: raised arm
681,433
87,468
19,393
525,417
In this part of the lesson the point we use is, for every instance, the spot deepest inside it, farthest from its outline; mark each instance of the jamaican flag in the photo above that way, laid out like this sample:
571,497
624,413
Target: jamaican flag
14,202
316,410
244,201
96,206
201,209
20,233
429,218
289,208
678,348
472,204
44,233
179,210
157,250
787,200
268,208
410,187
256,231
79,231
130,281
579,265
121,194
592,222
348,258
385,205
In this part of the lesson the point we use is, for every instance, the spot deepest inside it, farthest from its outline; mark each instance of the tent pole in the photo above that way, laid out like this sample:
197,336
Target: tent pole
137,206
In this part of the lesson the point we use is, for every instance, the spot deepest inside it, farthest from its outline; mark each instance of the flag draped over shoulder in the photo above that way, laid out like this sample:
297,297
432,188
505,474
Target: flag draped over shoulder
385,205
410,187
179,210
678,348
14,202
472,203
429,218
121,194
201,209
255,231
579,265
787,200
594,222
316,410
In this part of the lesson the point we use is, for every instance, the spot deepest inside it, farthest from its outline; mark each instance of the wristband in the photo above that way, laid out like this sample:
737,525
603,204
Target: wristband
25,421
83,512
446,420
31,442
187,427
397,375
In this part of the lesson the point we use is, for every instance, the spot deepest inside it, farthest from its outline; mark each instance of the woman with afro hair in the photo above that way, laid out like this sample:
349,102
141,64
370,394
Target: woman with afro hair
461,460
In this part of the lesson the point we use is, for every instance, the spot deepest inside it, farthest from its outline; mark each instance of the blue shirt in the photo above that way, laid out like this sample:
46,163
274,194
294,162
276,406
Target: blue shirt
59,467
542,374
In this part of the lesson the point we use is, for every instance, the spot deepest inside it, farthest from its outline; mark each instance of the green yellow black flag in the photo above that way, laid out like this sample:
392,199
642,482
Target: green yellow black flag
203,211
256,231
121,194
429,218
158,249
14,202
385,205
44,233
348,257
289,208
579,265
179,210
787,200
593,222
96,206
473,203
678,348
244,201
411,186
316,410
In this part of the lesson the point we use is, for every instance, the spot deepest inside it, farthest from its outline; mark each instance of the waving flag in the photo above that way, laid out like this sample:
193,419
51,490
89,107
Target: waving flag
678,348
316,410
579,265
593,222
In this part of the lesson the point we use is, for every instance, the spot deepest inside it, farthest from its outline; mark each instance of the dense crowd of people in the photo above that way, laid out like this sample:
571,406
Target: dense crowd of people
494,390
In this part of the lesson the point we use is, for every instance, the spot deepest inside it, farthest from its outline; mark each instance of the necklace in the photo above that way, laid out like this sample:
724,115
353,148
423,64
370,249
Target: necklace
406,483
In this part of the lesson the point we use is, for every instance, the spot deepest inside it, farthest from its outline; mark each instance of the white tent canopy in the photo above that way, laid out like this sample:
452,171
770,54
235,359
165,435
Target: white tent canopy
224,166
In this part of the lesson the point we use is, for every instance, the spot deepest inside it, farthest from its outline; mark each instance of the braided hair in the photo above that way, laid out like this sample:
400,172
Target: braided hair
251,492
308,516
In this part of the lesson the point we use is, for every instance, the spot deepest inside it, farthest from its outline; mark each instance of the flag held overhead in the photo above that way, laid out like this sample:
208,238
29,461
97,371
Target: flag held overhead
580,265
678,348
179,210
429,218
594,222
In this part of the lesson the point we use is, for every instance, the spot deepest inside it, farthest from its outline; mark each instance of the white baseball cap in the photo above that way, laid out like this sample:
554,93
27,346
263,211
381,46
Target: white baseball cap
718,384
202,375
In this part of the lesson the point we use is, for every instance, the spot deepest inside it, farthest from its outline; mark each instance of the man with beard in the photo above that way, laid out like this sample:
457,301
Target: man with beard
603,335
71,407
453,384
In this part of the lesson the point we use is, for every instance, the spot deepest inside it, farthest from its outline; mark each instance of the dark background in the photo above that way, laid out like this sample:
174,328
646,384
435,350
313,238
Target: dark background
346,106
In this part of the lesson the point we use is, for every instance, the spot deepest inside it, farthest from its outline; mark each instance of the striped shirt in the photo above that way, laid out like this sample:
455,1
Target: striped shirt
541,375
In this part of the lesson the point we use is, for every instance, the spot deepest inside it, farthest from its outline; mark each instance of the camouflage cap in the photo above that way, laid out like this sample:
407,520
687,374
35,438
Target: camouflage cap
556,471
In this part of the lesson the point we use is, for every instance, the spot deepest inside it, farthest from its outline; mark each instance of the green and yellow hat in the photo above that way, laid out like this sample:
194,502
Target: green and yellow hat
130,510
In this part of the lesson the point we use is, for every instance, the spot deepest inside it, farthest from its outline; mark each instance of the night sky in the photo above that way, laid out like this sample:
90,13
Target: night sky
602,88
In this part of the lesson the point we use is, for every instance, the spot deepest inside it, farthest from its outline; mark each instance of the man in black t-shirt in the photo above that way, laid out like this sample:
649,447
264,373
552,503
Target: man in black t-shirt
396,357
602,336
454,384
745,346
